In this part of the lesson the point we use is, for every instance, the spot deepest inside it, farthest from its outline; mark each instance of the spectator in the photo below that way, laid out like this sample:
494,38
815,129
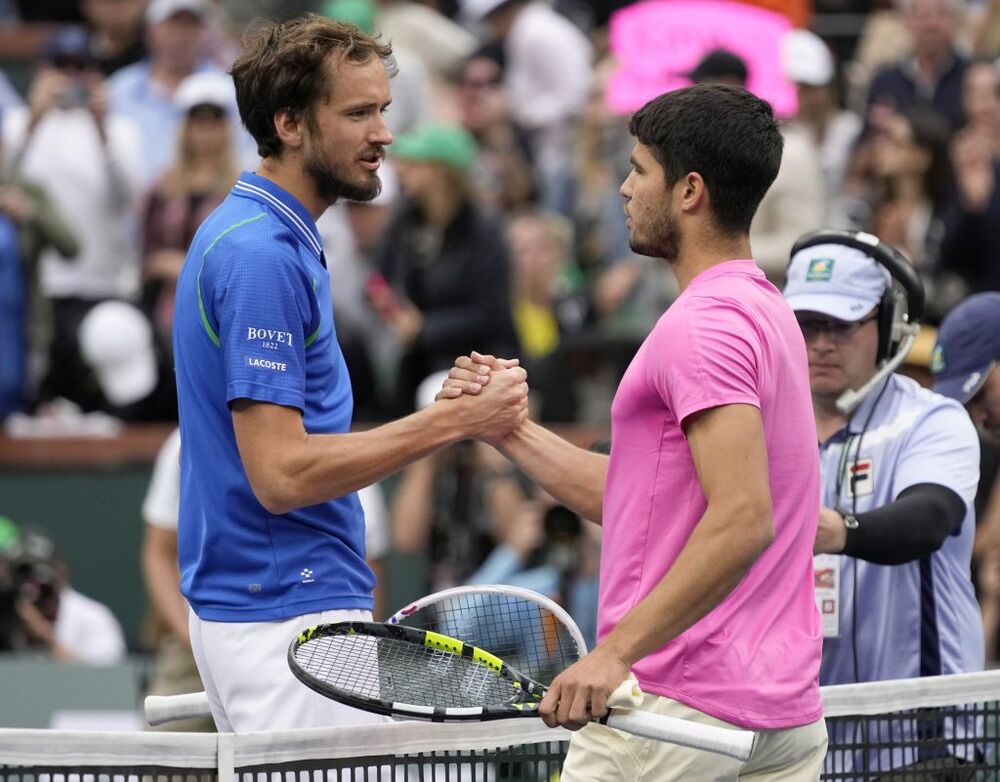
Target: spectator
52,617
550,304
444,258
351,232
177,36
502,171
88,160
420,28
175,670
971,243
115,32
547,71
931,76
203,171
809,65
964,364
911,177
28,225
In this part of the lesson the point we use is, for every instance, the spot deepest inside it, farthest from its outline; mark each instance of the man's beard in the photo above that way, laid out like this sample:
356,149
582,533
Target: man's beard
664,241
331,185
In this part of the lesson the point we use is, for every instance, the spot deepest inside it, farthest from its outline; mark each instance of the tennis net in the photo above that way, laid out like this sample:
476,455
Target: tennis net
942,729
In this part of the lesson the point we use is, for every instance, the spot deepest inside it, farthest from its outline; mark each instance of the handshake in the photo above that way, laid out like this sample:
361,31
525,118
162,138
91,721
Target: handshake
485,396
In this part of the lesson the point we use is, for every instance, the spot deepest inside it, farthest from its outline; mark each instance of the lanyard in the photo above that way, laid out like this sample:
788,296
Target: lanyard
842,466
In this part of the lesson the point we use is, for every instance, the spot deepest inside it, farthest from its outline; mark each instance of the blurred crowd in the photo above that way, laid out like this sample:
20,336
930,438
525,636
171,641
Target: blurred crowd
499,227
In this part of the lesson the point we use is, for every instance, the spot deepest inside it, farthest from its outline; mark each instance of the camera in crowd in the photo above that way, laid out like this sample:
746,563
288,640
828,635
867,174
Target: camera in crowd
28,572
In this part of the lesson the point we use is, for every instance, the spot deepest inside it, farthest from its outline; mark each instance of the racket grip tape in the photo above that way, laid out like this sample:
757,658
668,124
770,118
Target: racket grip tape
732,742
170,708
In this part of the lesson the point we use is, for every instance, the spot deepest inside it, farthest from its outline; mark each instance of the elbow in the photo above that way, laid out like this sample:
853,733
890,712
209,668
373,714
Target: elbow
755,521
277,494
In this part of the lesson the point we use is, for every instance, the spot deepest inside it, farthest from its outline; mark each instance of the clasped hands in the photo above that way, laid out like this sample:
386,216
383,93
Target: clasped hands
491,395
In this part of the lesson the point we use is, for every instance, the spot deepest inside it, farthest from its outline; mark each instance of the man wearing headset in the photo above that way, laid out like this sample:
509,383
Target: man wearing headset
898,467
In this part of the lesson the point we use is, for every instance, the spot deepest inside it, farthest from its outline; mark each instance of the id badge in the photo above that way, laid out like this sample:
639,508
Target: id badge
826,574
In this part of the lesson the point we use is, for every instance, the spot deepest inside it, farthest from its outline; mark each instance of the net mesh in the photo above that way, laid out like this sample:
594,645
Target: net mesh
943,729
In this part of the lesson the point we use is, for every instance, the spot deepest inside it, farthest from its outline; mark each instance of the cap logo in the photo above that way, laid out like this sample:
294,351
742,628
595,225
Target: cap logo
937,360
820,270
971,382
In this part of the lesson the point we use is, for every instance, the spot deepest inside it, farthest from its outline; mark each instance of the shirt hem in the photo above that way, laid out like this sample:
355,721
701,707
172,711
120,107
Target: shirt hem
742,719
262,393
281,612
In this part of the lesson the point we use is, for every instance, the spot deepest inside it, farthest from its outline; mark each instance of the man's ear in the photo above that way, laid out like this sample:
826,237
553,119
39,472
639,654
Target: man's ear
694,193
291,128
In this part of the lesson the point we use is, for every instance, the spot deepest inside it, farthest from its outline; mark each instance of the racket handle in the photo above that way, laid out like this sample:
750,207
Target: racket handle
170,708
734,743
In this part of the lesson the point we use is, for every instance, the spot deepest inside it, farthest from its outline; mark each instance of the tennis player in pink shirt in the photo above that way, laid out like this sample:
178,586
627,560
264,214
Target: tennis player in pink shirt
710,497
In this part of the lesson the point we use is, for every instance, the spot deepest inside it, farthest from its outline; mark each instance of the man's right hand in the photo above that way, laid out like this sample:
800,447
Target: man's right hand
497,408
47,91
470,374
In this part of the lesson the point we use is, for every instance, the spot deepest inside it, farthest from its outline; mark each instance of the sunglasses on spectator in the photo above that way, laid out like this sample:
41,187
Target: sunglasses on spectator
206,111
836,330
68,62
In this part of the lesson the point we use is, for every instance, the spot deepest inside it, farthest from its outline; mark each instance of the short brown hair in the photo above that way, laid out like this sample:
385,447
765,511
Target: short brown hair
281,67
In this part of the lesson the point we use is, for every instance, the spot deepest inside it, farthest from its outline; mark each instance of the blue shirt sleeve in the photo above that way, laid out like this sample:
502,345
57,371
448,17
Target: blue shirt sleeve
265,310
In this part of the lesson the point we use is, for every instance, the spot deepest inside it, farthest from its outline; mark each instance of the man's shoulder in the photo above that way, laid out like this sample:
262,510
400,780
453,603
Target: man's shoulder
927,409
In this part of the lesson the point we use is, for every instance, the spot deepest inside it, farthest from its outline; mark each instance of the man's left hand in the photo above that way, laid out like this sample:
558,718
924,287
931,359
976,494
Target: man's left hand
580,694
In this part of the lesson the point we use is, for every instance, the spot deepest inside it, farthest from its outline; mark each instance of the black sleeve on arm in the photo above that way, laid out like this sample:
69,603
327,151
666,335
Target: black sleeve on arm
914,525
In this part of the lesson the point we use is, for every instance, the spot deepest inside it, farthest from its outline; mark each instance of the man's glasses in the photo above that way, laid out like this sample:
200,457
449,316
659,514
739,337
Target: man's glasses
836,330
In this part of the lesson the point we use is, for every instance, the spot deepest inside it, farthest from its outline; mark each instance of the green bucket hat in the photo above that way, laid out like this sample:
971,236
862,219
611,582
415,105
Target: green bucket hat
438,143
360,13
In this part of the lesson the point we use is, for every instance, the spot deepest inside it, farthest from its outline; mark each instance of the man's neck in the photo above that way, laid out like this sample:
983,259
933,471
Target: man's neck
291,178
829,419
932,64
166,77
700,254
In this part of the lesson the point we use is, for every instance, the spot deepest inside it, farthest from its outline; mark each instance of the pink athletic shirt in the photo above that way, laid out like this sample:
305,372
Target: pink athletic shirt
730,338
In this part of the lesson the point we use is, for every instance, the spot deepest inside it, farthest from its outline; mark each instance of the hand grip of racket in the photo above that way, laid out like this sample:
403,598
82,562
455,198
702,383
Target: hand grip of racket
169,708
738,744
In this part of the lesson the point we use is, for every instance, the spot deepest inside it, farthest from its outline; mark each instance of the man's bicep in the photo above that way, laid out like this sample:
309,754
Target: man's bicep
730,456
265,435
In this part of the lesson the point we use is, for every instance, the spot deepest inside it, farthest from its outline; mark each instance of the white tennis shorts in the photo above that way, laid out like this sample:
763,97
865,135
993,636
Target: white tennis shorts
244,668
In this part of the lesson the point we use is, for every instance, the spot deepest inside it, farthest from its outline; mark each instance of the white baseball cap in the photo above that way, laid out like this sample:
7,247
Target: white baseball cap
161,10
806,59
116,341
206,88
476,10
835,280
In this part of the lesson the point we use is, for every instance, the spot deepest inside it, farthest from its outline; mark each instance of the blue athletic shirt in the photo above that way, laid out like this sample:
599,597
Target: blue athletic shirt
253,320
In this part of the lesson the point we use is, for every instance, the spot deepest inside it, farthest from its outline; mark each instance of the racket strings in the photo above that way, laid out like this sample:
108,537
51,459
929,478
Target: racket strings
527,636
398,671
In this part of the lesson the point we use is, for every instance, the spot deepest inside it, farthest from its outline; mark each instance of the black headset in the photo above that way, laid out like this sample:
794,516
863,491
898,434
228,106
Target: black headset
903,301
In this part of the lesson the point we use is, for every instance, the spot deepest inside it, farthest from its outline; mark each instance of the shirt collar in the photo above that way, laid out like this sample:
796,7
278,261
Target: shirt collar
863,412
284,205
737,266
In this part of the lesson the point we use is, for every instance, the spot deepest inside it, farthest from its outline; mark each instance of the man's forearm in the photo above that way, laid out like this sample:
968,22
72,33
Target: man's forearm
723,547
573,475
324,466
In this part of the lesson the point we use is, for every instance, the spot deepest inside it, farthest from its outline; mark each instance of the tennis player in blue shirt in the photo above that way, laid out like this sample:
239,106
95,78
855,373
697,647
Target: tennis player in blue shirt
271,534
899,471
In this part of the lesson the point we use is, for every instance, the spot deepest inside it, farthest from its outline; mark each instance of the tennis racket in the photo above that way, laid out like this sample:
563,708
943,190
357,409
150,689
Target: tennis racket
421,674
530,632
